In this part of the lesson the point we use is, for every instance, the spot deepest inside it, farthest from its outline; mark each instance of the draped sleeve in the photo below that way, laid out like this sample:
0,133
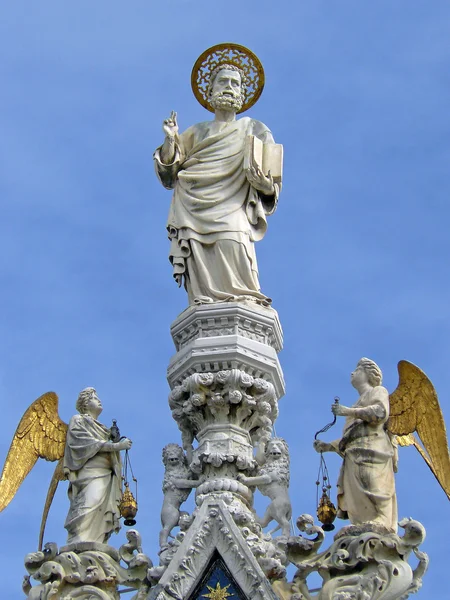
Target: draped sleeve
85,439
168,173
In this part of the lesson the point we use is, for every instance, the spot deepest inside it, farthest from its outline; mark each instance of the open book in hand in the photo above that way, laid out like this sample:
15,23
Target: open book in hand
268,157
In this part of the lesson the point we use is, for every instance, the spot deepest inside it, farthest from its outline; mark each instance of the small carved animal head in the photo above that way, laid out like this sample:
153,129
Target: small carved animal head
185,520
276,448
277,459
173,456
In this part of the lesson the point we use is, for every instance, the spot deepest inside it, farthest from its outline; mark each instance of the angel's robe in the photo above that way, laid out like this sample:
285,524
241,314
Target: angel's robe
366,485
94,482
216,215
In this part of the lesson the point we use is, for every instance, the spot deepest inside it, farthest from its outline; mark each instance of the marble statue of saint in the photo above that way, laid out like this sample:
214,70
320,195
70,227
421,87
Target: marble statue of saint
218,208
93,467
366,486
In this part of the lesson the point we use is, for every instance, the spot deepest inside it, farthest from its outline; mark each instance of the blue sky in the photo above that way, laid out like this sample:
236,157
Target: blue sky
356,258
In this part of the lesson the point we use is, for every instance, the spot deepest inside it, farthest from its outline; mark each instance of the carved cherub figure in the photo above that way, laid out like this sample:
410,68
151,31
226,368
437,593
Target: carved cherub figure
177,486
374,426
87,457
272,480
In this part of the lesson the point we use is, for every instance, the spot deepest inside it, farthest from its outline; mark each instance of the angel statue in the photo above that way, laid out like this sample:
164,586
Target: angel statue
375,425
88,456
226,177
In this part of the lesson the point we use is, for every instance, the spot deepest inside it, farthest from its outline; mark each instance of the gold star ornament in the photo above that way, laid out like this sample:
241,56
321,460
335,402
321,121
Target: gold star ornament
218,593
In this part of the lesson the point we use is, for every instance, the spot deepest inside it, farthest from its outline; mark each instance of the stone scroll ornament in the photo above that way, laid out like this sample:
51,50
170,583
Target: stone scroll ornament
93,572
376,424
87,456
226,175
361,563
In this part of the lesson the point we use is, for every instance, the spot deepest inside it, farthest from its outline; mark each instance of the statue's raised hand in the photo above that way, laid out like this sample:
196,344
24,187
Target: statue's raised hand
263,183
170,126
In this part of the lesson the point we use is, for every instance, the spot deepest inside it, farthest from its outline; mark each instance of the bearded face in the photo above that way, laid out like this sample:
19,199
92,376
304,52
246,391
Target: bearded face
226,101
226,91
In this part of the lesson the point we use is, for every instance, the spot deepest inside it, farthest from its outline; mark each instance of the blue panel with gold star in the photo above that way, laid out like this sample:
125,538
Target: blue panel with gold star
217,583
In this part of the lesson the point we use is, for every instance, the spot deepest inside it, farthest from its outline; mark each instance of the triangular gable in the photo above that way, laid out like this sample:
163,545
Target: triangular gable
217,583
213,536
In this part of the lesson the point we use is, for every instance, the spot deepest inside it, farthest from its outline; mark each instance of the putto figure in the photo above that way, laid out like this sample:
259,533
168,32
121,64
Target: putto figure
366,486
221,196
272,480
86,456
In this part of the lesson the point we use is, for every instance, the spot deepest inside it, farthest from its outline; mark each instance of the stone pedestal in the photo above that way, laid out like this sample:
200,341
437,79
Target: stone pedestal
87,570
225,381
230,335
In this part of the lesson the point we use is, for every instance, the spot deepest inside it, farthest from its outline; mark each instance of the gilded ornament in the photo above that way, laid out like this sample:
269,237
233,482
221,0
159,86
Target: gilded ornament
128,507
414,407
326,512
228,54
218,593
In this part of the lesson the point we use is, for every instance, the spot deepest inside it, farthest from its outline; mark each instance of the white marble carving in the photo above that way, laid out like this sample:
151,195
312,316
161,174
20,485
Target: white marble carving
363,563
272,480
177,486
366,486
225,336
218,208
228,412
255,323
224,525
87,570
93,467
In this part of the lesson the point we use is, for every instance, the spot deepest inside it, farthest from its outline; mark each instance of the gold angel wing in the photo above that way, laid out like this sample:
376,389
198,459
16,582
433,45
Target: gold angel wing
40,434
57,476
414,407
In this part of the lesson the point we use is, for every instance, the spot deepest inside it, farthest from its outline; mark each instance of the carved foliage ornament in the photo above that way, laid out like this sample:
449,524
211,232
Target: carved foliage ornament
231,396
228,54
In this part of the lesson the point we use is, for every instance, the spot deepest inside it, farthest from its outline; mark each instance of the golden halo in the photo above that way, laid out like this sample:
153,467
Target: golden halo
233,54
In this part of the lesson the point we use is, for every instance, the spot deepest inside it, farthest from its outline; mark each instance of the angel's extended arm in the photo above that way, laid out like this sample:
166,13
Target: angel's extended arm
377,410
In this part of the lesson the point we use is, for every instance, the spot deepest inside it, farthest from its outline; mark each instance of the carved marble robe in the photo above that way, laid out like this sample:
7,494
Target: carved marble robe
216,215
366,485
94,482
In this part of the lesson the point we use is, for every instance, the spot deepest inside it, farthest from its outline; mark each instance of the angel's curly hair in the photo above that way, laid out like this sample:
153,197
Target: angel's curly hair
374,374
83,398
